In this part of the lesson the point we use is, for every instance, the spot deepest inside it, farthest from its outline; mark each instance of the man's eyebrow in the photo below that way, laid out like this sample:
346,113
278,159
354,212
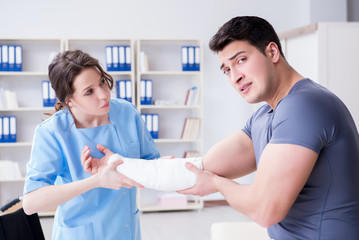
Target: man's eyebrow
233,57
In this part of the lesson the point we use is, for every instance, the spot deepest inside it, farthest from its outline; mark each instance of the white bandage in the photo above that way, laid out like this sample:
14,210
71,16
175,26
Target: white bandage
160,174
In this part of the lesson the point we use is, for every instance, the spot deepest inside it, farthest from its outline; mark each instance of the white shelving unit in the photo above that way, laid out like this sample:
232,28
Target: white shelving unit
329,58
96,48
27,85
170,83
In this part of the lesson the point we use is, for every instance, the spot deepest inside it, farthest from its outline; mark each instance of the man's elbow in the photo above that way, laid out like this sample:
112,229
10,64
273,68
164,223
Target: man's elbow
269,217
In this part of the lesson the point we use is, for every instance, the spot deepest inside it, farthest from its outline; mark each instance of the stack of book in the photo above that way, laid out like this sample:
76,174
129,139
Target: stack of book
191,154
9,170
192,96
191,128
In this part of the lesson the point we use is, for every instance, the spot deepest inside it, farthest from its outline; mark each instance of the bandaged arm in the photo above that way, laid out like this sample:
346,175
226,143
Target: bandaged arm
159,174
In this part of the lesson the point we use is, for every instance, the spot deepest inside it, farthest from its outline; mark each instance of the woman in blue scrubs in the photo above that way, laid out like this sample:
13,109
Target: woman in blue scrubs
101,206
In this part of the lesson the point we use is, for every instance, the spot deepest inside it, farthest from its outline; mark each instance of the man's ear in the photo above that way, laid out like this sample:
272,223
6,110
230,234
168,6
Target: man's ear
273,52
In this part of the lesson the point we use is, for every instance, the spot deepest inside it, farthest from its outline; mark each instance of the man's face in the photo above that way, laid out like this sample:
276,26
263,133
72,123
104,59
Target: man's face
249,71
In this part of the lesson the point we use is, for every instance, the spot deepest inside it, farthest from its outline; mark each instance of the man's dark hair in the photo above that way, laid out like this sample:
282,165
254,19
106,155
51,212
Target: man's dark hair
256,31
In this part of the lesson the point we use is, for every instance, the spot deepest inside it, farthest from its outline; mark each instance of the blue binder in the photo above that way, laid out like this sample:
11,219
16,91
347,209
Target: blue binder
127,58
155,126
6,128
48,94
12,126
5,57
121,55
149,123
184,55
122,89
1,130
148,95
143,91
18,58
11,58
109,64
144,118
115,66
190,58
128,95
0,58
197,58
52,96
45,93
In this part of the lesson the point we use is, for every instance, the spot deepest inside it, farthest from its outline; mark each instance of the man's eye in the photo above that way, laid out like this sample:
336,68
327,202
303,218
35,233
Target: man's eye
226,71
240,60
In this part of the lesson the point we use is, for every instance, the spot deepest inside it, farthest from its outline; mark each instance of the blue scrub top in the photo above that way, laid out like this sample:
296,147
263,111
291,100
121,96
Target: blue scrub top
55,159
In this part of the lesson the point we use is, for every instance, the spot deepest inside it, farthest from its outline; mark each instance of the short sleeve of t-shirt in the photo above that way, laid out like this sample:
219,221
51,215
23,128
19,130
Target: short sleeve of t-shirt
305,118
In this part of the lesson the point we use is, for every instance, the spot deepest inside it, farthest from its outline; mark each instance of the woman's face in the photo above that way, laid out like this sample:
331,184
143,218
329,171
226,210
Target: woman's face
91,97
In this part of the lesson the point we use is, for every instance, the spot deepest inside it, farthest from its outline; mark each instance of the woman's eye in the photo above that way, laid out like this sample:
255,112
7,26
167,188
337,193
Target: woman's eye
226,71
89,92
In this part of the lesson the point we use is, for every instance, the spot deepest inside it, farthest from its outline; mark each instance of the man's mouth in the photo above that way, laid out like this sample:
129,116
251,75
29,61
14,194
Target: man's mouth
245,87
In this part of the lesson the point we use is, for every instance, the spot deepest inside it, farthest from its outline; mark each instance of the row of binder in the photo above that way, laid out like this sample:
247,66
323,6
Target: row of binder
124,90
10,58
146,91
48,94
7,129
190,58
118,58
152,123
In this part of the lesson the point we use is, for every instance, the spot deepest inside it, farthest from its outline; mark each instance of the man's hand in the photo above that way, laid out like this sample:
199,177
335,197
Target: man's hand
94,165
205,182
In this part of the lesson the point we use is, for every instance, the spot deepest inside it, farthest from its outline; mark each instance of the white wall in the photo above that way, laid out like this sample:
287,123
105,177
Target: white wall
224,110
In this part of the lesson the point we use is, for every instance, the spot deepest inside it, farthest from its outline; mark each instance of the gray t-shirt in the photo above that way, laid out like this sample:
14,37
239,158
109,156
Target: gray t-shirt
311,116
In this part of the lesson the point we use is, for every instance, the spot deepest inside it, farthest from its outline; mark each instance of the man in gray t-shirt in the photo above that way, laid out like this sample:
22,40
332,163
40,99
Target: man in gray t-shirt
303,144
310,116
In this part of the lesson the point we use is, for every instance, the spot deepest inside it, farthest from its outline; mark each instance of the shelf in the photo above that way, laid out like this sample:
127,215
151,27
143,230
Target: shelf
168,107
119,72
22,73
16,144
12,180
46,214
171,73
27,109
175,140
190,206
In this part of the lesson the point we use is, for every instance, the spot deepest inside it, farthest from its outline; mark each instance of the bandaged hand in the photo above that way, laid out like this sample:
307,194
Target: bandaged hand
159,174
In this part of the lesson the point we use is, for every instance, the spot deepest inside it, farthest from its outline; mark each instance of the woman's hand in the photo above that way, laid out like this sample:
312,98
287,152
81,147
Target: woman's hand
109,177
94,165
